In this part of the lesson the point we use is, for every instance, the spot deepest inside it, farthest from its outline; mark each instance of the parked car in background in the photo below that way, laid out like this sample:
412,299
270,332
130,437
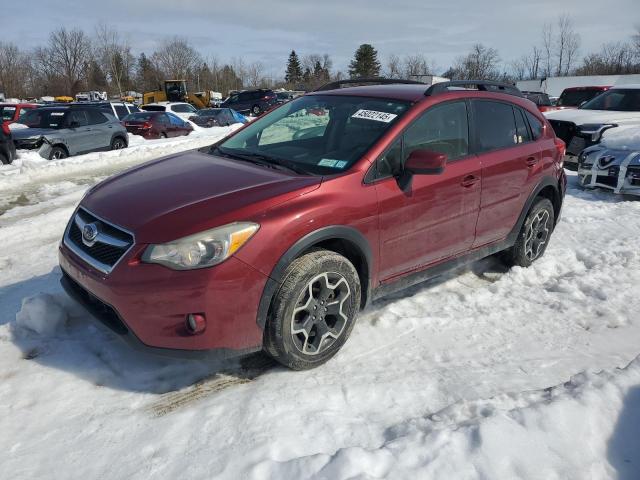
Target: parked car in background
11,112
181,109
152,125
275,237
284,97
7,147
541,99
63,131
254,102
582,127
575,96
217,117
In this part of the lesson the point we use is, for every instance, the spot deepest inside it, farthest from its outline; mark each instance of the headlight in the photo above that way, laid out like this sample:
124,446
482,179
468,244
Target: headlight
595,131
203,249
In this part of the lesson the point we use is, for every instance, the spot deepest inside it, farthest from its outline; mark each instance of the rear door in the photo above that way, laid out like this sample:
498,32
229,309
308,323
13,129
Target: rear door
436,217
102,129
509,159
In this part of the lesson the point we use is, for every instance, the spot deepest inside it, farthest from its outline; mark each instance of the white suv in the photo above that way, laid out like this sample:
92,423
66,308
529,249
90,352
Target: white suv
584,126
181,109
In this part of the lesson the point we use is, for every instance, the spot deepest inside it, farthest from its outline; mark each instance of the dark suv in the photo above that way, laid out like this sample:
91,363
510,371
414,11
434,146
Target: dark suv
275,237
251,101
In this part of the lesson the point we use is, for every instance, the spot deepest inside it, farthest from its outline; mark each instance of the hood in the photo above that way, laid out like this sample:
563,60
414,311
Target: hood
22,133
581,117
189,192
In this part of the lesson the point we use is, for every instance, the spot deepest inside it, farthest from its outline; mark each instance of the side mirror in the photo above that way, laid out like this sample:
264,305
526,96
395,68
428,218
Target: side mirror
425,162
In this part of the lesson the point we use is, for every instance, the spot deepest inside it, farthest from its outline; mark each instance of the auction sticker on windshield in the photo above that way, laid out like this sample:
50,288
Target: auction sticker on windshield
373,115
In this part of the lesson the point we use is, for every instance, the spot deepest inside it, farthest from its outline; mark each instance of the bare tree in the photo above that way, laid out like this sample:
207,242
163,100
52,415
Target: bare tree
66,56
255,71
528,66
417,66
567,45
481,63
393,68
616,58
547,49
177,59
14,70
114,55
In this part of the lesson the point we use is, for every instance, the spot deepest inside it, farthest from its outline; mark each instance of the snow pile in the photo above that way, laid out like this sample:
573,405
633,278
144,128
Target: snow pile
43,314
624,137
587,428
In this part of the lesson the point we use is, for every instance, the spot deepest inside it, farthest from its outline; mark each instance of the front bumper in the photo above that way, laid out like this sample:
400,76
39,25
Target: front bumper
147,304
622,179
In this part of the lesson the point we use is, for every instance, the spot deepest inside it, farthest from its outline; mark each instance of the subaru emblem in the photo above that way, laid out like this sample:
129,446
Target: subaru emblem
89,234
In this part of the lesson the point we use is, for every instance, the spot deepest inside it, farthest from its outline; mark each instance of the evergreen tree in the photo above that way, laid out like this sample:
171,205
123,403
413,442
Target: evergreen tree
293,75
365,62
147,75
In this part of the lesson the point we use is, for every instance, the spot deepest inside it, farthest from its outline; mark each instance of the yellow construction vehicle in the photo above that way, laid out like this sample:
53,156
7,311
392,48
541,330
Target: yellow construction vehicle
176,91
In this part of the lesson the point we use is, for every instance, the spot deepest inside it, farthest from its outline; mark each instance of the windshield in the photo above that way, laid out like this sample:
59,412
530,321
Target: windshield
44,118
618,99
573,98
316,134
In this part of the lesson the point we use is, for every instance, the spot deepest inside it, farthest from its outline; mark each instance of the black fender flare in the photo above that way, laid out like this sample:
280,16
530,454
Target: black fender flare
332,232
544,183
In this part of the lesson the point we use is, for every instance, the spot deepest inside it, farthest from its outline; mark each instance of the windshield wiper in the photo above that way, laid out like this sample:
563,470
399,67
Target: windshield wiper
263,160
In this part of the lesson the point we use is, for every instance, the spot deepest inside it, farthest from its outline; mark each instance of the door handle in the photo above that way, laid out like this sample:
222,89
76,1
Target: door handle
469,180
531,161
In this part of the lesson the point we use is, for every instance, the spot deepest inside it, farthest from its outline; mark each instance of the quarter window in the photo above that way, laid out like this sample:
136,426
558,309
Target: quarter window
521,126
536,125
495,125
121,111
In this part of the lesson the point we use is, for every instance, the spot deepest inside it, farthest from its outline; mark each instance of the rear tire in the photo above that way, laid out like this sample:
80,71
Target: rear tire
58,153
313,311
163,135
534,235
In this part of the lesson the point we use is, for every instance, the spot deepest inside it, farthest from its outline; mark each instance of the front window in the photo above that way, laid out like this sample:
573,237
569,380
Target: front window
41,118
618,99
315,134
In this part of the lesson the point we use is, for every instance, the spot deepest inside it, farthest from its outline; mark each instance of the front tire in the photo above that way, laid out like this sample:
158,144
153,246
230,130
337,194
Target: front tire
57,153
534,235
314,310
118,143
256,110
4,160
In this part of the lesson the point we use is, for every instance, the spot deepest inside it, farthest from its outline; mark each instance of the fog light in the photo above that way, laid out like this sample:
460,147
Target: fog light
195,323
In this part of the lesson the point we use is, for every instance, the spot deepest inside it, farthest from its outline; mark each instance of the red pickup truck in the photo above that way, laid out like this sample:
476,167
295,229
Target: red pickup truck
11,112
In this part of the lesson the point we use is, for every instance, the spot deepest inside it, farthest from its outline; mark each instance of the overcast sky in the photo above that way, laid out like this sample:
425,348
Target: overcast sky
267,30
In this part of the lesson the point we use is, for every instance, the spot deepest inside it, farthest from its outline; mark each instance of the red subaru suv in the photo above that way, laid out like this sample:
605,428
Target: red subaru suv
275,237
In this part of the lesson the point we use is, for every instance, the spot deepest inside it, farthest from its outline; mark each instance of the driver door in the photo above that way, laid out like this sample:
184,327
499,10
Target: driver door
435,217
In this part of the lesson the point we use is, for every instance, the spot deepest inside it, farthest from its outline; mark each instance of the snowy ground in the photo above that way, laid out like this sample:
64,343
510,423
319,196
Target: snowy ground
477,375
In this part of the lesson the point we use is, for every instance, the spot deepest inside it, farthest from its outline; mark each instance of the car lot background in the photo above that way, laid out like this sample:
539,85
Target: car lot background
473,375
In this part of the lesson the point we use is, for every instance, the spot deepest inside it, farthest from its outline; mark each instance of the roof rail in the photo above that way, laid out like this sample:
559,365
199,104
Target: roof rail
482,85
358,82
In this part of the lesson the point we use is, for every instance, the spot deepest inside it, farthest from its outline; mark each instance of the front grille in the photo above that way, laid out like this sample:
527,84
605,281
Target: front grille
108,247
564,130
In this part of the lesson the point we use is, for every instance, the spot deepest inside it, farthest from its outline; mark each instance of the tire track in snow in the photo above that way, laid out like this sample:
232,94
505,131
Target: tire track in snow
251,367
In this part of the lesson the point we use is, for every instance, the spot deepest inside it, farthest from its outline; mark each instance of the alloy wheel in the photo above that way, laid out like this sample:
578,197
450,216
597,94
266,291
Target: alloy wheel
536,235
319,319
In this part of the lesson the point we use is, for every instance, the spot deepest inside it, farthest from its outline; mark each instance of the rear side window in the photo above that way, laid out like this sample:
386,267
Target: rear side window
95,117
7,113
521,126
175,120
121,111
535,124
443,129
495,125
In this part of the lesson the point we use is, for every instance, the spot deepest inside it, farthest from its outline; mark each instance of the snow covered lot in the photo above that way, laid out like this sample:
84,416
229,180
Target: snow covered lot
484,373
